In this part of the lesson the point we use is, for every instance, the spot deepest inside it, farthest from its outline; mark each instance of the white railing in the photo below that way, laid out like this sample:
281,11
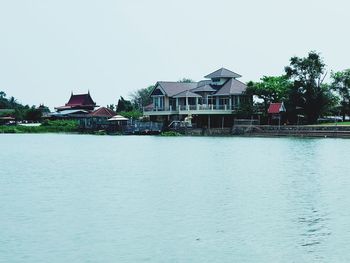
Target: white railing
198,107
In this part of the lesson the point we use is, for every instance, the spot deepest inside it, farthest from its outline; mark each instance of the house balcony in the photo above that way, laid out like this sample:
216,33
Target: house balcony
191,109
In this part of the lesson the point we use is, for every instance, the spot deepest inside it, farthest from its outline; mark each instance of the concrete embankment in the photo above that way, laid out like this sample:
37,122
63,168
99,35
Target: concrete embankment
336,131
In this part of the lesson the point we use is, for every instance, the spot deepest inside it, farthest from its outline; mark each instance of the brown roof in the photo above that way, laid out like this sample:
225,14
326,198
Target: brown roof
232,87
102,112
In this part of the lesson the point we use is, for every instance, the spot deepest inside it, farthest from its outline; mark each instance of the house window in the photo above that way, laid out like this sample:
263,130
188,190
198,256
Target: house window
216,79
158,102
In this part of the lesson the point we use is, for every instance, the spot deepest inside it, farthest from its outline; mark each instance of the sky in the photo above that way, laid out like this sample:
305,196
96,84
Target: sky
112,48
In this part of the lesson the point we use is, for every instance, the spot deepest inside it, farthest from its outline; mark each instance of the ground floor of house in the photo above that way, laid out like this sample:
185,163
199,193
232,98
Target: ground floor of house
199,121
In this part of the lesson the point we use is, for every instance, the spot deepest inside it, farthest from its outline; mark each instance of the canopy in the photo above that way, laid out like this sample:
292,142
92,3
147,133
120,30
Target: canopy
118,118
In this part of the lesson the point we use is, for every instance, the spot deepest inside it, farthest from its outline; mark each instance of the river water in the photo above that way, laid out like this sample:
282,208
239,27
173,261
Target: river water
81,198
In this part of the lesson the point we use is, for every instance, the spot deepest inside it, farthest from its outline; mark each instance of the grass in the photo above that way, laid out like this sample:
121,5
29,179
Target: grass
341,123
58,126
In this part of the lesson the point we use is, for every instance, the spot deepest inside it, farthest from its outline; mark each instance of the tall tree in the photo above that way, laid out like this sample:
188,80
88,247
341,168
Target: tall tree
308,93
270,89
141,97
341,84
124,105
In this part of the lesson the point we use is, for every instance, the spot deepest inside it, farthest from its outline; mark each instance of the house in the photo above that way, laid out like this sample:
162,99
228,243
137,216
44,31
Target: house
77,106
276,113
213,102
97,120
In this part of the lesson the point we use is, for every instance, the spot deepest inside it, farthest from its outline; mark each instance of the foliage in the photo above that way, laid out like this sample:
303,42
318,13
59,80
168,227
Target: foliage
141,97
111,107
270,89
170,133
124,105
135,114
186,80
307,91
45,127
341,84
33,114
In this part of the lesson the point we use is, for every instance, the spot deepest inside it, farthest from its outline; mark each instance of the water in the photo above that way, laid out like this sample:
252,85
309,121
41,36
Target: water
75,198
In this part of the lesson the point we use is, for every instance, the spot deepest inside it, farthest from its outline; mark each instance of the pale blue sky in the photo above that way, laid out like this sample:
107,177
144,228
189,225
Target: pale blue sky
50,48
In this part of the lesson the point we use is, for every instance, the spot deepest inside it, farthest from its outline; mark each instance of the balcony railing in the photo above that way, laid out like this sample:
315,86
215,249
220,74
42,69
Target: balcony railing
198,107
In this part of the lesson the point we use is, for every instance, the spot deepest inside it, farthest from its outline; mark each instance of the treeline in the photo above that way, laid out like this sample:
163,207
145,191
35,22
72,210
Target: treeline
10,107
304,91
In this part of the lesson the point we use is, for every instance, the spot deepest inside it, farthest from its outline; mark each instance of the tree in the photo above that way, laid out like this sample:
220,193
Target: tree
2,94
186,80
33,114
341,84
124,105
141,97
307,91
270,89
111,107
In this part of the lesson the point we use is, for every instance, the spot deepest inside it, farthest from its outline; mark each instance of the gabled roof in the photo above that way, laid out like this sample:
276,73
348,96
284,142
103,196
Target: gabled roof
276,108
232,87
222,73
187,94
173,88
204,88
102,112
80,99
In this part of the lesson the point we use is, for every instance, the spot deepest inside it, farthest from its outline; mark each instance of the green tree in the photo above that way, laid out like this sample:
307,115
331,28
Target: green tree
141,97
33,114
341,84
186,80
270,89
307,92
124,105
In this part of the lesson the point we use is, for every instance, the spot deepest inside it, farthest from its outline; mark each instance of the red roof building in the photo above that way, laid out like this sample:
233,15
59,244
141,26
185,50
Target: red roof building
79,102
276,108
102,112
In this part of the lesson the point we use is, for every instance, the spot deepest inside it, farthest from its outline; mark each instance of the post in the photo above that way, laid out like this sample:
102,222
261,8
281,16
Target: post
187,107
177,103
222,121
208,121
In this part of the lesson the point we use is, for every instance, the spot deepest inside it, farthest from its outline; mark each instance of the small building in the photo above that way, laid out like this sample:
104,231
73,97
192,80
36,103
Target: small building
97,120
276,112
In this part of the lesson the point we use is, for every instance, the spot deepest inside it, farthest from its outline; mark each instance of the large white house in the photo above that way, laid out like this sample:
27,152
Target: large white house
211,102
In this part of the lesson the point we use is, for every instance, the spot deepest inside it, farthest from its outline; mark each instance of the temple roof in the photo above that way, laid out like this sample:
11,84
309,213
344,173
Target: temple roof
80,99
222,73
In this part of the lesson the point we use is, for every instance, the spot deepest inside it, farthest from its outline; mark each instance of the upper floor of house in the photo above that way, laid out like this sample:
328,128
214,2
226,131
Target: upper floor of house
220,93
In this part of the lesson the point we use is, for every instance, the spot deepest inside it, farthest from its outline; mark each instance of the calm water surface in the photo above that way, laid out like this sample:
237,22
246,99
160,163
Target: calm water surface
74,198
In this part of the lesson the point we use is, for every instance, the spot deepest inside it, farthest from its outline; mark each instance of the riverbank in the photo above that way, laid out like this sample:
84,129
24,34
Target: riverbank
320,131
57,126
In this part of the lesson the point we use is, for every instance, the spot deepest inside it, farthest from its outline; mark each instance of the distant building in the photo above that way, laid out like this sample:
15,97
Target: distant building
97,120
276,113
79,102
78,106
208,103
